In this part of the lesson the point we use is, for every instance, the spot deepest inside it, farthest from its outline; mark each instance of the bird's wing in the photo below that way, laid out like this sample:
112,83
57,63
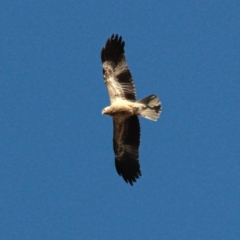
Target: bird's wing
126,142
117,76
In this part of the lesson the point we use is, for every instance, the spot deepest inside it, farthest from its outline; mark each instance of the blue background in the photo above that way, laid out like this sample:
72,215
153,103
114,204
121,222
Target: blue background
57,174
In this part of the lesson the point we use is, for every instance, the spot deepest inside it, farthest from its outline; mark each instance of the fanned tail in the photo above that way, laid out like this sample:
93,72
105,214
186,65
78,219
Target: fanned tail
152,108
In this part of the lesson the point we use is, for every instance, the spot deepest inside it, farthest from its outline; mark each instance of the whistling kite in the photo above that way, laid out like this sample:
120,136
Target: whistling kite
124,109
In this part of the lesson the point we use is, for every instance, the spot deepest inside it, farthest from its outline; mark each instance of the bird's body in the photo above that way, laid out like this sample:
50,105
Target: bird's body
124,109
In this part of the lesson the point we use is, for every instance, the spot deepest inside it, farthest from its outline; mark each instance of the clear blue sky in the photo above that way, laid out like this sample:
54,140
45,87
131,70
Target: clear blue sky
57,174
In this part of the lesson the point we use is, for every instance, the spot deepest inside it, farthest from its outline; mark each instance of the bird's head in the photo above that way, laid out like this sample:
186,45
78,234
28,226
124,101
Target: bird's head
106,111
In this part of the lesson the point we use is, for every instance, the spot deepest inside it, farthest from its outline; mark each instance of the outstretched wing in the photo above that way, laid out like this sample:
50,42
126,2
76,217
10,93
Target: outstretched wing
126,142
117,76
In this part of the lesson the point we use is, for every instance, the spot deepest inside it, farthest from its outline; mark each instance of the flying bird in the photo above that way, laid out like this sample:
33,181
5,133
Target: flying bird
124,109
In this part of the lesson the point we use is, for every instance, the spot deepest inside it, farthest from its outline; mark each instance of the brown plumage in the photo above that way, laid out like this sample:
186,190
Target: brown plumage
124,109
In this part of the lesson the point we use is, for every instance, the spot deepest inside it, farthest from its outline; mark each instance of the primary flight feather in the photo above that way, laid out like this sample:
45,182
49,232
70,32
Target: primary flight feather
124,109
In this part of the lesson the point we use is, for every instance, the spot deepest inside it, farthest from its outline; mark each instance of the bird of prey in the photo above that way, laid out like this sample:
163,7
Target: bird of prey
124,109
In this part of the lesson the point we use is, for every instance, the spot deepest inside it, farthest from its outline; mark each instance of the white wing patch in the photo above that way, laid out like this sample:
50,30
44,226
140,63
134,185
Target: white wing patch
115,89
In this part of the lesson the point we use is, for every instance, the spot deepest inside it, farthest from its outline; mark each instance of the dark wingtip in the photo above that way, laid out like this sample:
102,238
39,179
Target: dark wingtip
129,170
113,48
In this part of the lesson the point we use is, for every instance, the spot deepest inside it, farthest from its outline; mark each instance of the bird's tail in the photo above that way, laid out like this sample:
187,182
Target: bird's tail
152,107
